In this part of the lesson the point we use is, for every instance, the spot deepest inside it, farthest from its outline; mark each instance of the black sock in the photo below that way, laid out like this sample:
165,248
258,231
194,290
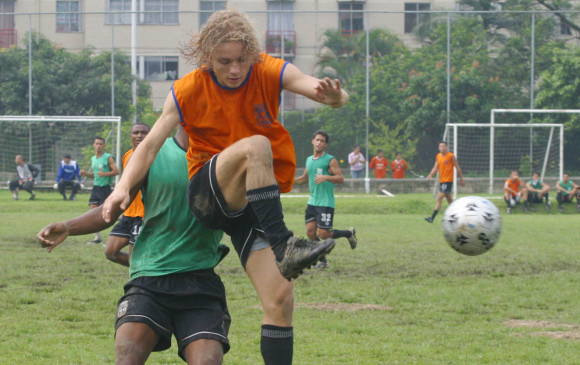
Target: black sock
265,204
526,204
277,345
338,234
434,214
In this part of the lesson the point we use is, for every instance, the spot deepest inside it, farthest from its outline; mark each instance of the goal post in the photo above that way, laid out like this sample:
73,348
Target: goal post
44,139
487,150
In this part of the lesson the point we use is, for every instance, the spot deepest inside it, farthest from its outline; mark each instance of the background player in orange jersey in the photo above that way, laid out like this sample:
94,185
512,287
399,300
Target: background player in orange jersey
126,231
399,166
515,190
240,158
444,163
380,164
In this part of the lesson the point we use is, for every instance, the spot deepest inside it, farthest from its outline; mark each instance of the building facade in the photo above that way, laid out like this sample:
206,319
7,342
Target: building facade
291,29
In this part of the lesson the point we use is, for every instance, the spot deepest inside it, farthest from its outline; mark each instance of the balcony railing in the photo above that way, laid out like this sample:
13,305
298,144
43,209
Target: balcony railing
8,38
274,40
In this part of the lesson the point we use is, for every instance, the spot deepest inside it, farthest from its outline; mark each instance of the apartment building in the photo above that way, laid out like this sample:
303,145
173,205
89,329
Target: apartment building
291,29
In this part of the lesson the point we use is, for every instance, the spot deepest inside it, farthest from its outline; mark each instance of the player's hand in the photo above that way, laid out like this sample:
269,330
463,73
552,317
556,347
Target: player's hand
319,179
51,235
82,173
462,182
329,91
101,173
119,199
428,177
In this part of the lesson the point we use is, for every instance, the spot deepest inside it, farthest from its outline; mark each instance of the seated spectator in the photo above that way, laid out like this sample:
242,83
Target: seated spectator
514,191
537,191
567,190
26,174
68,172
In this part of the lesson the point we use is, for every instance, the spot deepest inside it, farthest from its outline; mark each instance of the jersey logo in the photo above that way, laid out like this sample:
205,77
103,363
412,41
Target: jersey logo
263,117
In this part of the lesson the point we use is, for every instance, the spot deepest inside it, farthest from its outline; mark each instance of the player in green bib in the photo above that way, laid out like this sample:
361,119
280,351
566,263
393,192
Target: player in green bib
567,190
322,173
103,170
537,191
173,288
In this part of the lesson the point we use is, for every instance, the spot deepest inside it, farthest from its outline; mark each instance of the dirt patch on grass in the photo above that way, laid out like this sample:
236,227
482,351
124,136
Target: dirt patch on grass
344,307
573,332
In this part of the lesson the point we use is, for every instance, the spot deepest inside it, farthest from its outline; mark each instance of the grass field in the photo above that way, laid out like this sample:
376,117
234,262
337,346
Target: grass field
402,297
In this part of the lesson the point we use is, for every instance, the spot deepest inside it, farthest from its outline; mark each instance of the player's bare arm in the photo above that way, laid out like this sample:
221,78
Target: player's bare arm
325,91
433,171
90,222
142,159
336,176
303,179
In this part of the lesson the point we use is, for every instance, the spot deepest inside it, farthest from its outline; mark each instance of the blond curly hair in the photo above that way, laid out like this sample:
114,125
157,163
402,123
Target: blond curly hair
222,26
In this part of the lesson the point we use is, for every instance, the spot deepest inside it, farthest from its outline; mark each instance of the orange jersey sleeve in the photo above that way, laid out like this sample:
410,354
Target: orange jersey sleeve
215,117
445,164
136,209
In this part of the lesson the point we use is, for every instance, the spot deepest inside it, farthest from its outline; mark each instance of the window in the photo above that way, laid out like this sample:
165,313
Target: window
121,12
281,27
151,11
161,12
6,21
414,19
160,68
351,21
565,29
68,16
208,8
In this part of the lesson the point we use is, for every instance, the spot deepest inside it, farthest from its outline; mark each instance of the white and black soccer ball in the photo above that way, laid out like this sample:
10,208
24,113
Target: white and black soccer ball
472,225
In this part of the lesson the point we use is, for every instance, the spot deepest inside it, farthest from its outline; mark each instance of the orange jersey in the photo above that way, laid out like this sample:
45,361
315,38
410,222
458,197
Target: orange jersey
514,185
445,164
380,166
398,168
215,117
136,209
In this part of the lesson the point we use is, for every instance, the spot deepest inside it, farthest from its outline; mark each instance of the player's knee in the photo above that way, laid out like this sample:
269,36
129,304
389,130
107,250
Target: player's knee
279,307
129,352
257,145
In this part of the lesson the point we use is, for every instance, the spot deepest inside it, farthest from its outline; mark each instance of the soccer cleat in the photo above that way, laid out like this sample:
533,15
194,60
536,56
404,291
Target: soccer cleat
301,254
321,265
72,197
525,210
94,242
15,196
352,239
509,210
32,197
533,209
561,209
547,206
429,219
578,208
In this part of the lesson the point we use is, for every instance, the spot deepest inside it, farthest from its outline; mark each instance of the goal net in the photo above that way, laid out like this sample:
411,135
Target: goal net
42,141
491,151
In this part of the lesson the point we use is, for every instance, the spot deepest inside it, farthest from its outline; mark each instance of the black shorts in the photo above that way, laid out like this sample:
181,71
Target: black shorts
322,215
446,187
209,207
128,227
99,194
190,305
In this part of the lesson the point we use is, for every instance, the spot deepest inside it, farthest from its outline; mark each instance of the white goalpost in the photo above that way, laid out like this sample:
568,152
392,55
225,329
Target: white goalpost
44,139
491,150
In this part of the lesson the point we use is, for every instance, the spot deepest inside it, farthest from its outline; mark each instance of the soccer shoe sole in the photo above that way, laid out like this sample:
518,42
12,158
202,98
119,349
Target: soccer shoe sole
296,270
352,239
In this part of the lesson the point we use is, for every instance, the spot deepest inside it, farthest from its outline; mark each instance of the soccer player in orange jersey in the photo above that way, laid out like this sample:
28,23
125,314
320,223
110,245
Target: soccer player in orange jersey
399,166
514,190
240,159
444,163
379,163
126,231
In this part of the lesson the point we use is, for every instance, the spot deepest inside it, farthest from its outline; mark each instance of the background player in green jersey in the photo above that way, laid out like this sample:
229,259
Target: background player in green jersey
537,191
322,173
567,190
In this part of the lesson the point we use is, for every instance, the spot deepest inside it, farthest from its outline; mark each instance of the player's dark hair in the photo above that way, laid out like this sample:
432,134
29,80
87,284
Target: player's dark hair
141,123
398,153
101,138
322,133
66,155
379,150
355,146
535,172
445,143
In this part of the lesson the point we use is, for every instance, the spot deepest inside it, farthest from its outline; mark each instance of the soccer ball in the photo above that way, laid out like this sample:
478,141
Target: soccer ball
472,225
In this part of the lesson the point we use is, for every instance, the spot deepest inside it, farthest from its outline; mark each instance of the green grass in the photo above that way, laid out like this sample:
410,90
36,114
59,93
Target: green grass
434,306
